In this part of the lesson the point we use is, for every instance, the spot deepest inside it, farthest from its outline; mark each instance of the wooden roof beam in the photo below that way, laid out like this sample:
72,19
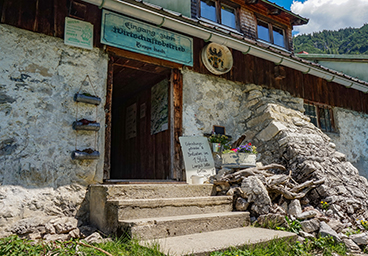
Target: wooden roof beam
274,11
251,1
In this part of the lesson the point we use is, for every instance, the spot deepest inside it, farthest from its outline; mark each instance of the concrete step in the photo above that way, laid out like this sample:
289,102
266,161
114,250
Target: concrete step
205,243
163,207
160,227
149,191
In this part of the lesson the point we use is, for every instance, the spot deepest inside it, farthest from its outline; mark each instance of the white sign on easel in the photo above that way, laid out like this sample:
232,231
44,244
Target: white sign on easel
198,158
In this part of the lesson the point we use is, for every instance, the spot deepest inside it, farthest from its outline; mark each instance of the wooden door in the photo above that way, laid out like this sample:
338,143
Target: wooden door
140,135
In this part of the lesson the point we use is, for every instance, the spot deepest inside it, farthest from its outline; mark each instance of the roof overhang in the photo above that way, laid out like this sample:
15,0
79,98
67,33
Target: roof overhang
295,19
335,57
165,18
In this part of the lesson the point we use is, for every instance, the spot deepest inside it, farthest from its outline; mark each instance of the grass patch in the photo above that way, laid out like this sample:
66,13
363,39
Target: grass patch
325,246
15,246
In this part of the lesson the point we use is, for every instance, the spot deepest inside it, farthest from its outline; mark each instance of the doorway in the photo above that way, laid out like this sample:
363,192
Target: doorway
140,121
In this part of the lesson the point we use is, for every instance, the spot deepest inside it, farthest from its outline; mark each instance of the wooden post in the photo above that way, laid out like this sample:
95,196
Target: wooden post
177,82
108,109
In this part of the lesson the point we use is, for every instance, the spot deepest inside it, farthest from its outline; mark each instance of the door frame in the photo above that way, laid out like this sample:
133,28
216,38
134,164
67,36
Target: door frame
176,109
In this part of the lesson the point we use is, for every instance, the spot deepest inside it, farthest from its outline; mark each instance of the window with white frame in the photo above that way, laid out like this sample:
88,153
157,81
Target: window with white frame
219,11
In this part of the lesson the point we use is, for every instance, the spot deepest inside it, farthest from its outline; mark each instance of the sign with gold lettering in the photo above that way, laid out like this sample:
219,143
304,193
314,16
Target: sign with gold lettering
126,33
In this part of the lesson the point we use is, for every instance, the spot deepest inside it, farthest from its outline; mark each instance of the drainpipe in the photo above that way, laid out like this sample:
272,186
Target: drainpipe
159,19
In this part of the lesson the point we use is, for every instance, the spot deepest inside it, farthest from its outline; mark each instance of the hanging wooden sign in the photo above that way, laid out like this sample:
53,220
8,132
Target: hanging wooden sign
131,122
126,33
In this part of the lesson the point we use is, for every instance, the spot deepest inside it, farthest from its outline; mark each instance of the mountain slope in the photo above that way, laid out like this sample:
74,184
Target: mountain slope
343,41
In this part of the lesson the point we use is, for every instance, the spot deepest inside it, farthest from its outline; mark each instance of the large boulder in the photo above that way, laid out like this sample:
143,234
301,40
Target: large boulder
310,226
360,239
272,220
257,194
325,230
294,208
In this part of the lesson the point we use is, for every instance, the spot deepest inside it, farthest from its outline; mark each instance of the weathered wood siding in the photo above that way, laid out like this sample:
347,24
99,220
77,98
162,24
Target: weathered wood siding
47,17
146,156
250,69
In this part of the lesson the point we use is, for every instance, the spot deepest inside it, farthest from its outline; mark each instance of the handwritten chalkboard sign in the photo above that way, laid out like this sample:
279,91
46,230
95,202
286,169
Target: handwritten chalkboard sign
198,158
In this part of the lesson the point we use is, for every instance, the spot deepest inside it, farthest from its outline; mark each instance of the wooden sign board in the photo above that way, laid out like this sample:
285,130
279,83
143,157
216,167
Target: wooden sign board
131,122
198,158
133,35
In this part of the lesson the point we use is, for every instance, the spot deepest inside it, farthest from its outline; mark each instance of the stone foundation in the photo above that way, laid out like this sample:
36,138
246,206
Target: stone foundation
261,113
352,137
274,121
39,76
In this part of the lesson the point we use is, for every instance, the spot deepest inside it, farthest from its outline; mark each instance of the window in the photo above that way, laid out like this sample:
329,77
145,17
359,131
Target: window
271,33
321,116
218,11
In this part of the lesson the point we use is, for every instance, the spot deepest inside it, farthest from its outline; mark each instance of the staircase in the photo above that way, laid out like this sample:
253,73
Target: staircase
153,211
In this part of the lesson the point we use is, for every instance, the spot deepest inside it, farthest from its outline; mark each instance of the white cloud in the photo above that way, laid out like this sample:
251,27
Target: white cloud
330,14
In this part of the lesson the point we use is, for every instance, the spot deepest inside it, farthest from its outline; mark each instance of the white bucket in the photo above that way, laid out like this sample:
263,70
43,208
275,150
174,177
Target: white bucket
197,179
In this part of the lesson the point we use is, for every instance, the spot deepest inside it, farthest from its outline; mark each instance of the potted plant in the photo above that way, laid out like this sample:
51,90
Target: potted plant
218,141
244,155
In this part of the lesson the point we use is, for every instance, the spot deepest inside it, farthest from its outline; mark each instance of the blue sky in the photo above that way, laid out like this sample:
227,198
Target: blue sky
327,14
284,3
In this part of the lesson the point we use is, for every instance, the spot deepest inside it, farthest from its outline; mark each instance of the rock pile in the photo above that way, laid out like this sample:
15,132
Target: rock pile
314,172
56,229
286,136
270,194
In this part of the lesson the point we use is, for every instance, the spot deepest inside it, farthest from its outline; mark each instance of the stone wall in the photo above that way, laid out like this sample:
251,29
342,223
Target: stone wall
259,113
210,100
352,137
39,76
274,122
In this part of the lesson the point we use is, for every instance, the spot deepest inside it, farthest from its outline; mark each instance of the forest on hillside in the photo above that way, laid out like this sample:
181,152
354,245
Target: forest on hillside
342,41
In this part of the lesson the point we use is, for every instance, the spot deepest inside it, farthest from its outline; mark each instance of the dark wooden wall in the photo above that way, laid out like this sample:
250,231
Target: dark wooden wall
145,156
249,69
48,16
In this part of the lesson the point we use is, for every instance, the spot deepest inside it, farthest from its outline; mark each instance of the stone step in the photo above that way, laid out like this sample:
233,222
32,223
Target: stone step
160,227
149,191
205,243
163,207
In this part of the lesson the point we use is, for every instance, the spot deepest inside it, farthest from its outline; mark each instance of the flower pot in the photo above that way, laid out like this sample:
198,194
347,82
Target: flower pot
216,147
238,159
197,179
87,99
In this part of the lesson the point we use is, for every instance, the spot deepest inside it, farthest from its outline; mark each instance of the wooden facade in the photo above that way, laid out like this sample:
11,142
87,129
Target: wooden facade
252,70
47,17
